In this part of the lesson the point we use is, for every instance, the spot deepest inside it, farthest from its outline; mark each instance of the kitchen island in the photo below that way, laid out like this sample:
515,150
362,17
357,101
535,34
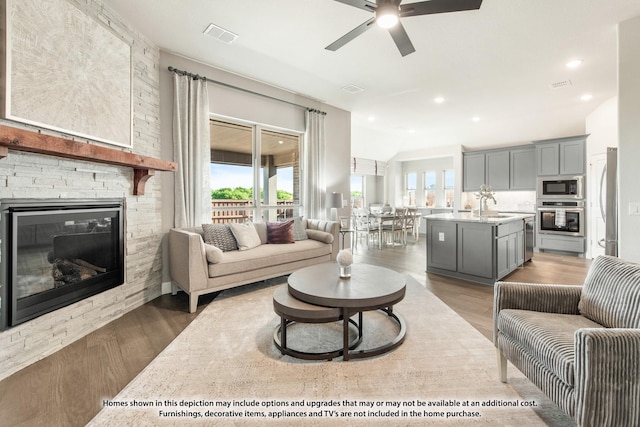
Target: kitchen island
479,249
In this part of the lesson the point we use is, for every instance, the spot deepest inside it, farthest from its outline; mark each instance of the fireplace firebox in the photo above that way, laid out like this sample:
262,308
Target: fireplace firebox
56,252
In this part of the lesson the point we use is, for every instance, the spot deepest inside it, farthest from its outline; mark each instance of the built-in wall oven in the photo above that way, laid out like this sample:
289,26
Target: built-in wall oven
561,217
560,187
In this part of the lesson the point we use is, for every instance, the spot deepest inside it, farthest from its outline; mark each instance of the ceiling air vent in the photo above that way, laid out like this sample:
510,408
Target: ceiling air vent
560,84
220,33
352,88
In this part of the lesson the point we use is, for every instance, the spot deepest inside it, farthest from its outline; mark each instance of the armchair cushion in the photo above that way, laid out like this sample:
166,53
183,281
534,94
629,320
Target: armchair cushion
611,293
548,337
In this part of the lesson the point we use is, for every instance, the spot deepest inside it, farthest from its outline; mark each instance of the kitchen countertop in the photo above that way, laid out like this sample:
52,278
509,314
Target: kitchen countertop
468,217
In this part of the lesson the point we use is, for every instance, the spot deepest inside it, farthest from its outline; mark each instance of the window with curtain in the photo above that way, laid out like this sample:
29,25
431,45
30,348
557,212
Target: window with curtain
411,182
430,188
245,188
449,182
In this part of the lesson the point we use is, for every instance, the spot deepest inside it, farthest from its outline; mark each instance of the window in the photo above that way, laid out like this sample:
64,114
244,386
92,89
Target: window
238,179
411,185
357,191
430,188
449,182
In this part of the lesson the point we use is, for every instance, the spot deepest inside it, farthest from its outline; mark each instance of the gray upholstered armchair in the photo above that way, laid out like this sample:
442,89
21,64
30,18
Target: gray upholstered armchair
579,344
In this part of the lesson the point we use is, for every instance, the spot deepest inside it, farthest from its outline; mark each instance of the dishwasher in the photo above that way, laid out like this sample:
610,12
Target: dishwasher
529,237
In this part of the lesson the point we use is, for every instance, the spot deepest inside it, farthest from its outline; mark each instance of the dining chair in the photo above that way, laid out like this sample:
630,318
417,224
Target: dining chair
411,224
395,229
363,225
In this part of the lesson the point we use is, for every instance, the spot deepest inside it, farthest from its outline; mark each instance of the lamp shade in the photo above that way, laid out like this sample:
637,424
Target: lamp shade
334,200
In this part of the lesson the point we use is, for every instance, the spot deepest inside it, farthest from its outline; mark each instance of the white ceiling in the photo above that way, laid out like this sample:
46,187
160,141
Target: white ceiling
496,63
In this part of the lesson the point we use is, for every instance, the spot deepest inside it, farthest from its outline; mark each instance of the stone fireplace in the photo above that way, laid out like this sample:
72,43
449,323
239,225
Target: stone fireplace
57,252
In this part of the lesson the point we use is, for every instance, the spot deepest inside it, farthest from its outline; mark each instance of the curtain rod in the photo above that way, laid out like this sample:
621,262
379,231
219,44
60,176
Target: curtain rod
207,79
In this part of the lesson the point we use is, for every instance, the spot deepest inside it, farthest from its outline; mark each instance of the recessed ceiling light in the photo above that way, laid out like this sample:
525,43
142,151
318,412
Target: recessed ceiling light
438,100
280,142
371,119
411,131
586,97
475,119
574,63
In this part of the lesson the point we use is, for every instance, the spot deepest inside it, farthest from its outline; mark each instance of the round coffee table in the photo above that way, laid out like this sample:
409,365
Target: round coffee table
369,288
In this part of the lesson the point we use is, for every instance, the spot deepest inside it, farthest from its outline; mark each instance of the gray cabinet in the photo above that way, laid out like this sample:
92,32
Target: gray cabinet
563,156
523,169
478,251
475,249
503,169
442,245
509,248
497,169
473,171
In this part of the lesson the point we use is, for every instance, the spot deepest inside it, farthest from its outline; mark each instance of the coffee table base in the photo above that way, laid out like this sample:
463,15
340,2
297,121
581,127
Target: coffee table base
349,349
394,343
280,341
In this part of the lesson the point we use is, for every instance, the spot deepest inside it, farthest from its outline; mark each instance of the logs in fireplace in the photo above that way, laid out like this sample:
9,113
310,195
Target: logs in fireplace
57,252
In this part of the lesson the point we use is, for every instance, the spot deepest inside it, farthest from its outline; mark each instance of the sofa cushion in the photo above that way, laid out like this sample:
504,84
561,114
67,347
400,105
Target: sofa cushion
609,292
280,232
214,254
220,235
548,337
268,255
246,235
299,229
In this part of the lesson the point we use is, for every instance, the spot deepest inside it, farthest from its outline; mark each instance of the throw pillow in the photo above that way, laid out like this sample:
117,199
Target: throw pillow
220,235
214,253
280,232
320,236
261,228
246,235
299,229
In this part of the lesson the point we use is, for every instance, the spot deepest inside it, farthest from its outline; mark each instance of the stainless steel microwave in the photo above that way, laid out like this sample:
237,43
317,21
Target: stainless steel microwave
561,187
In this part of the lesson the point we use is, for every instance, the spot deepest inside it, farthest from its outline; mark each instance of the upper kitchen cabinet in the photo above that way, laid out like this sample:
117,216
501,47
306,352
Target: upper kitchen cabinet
562,156
523,169
497,164
503,169
473,171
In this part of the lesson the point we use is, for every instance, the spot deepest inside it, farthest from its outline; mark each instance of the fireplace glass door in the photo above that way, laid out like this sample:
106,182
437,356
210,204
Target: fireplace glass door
57,255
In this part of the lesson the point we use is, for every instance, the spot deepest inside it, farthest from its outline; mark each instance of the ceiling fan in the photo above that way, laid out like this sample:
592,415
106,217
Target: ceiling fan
388,12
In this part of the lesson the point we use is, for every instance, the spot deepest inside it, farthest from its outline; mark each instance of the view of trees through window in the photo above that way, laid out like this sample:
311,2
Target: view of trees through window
236,182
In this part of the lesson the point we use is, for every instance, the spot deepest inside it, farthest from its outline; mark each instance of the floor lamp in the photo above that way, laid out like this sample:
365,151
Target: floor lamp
334,202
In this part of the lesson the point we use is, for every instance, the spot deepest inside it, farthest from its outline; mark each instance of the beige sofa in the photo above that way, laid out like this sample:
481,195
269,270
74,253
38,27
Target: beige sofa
195,269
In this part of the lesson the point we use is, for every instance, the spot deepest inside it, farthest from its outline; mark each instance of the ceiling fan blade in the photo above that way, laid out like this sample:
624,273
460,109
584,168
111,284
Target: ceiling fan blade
438,6
351,35
360,4
401,38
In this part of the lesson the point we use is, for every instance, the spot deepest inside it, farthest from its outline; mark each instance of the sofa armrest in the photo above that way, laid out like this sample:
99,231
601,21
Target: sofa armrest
331,227
545,298
187,260
607,377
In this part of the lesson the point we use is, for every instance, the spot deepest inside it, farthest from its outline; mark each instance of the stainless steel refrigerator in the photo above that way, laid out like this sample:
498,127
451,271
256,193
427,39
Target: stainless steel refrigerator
609,202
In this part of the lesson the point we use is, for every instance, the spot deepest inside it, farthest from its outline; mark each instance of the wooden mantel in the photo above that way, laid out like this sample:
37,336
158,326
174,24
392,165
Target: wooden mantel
34,142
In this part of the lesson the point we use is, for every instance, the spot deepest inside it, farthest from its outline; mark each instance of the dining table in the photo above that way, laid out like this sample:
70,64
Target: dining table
388,217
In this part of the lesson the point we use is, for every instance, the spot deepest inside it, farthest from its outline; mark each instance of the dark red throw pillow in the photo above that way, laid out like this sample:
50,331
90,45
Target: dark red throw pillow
280,232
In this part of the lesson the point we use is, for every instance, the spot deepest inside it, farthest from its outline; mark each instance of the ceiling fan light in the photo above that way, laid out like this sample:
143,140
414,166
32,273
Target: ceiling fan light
387,15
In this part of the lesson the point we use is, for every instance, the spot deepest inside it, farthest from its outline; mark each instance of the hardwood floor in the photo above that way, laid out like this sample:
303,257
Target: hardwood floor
67,388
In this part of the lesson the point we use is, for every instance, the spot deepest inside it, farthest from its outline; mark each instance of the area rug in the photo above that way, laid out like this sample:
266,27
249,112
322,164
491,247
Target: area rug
224,369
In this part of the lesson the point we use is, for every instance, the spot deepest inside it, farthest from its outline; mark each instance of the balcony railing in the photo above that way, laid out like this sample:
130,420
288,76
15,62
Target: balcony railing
227,210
